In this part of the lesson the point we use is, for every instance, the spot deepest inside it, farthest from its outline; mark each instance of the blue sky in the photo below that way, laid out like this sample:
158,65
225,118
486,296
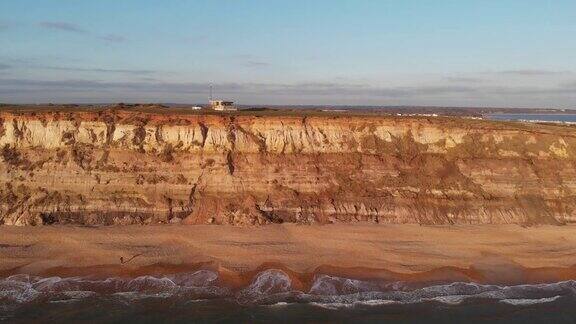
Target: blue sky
518,53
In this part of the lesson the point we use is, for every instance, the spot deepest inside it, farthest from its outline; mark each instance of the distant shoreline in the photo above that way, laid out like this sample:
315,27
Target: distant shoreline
295,109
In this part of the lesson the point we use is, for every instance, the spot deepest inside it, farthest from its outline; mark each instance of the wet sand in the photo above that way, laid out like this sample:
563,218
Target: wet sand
484,253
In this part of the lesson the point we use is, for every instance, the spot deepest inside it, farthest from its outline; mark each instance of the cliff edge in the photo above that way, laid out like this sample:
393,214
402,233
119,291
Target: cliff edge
132,167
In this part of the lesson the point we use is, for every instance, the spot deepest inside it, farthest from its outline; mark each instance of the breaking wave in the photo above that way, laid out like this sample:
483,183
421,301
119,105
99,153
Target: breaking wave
272,287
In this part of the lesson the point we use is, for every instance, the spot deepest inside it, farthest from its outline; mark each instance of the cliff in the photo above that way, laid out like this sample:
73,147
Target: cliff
135,167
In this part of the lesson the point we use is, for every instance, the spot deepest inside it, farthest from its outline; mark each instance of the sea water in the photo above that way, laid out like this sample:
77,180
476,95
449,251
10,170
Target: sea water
271,298
568,118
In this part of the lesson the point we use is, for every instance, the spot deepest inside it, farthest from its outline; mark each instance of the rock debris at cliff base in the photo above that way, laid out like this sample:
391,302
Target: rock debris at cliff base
130,167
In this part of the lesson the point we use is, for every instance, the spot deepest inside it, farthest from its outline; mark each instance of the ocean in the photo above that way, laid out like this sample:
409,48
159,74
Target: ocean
535,117
197,297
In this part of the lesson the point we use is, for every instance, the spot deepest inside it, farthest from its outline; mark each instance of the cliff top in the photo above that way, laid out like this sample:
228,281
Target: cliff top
180,114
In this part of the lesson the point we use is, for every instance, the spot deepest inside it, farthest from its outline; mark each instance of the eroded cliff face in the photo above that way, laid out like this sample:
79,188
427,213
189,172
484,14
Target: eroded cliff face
123,167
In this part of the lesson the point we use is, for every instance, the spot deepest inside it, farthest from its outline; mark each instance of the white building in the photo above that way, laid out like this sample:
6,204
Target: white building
222,105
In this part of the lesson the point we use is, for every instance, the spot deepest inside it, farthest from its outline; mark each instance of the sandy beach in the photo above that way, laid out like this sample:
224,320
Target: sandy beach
490,254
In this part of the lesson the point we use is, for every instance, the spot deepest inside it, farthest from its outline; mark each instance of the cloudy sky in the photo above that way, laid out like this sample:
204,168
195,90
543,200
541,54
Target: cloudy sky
514,53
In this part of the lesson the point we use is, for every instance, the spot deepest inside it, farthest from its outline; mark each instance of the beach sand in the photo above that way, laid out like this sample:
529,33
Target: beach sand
483,253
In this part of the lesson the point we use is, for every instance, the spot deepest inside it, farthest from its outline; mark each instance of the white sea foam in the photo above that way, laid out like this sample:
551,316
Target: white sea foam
325,293
524,302
16,291
278,304
268,287
149,284
201,278
274,287
330,285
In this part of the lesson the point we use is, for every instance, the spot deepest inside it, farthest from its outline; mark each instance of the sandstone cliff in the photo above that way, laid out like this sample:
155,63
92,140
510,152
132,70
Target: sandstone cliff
126,167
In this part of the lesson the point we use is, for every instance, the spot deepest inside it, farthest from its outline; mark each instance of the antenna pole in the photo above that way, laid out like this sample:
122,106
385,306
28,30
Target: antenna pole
211,92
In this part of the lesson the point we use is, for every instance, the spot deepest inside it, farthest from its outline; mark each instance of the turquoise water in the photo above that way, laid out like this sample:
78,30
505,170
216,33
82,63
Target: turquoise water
270,298
535,117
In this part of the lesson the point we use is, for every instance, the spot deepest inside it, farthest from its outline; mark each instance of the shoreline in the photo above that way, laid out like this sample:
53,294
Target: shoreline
491,254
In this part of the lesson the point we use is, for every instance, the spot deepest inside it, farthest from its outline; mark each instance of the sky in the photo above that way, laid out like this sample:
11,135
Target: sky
499,53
